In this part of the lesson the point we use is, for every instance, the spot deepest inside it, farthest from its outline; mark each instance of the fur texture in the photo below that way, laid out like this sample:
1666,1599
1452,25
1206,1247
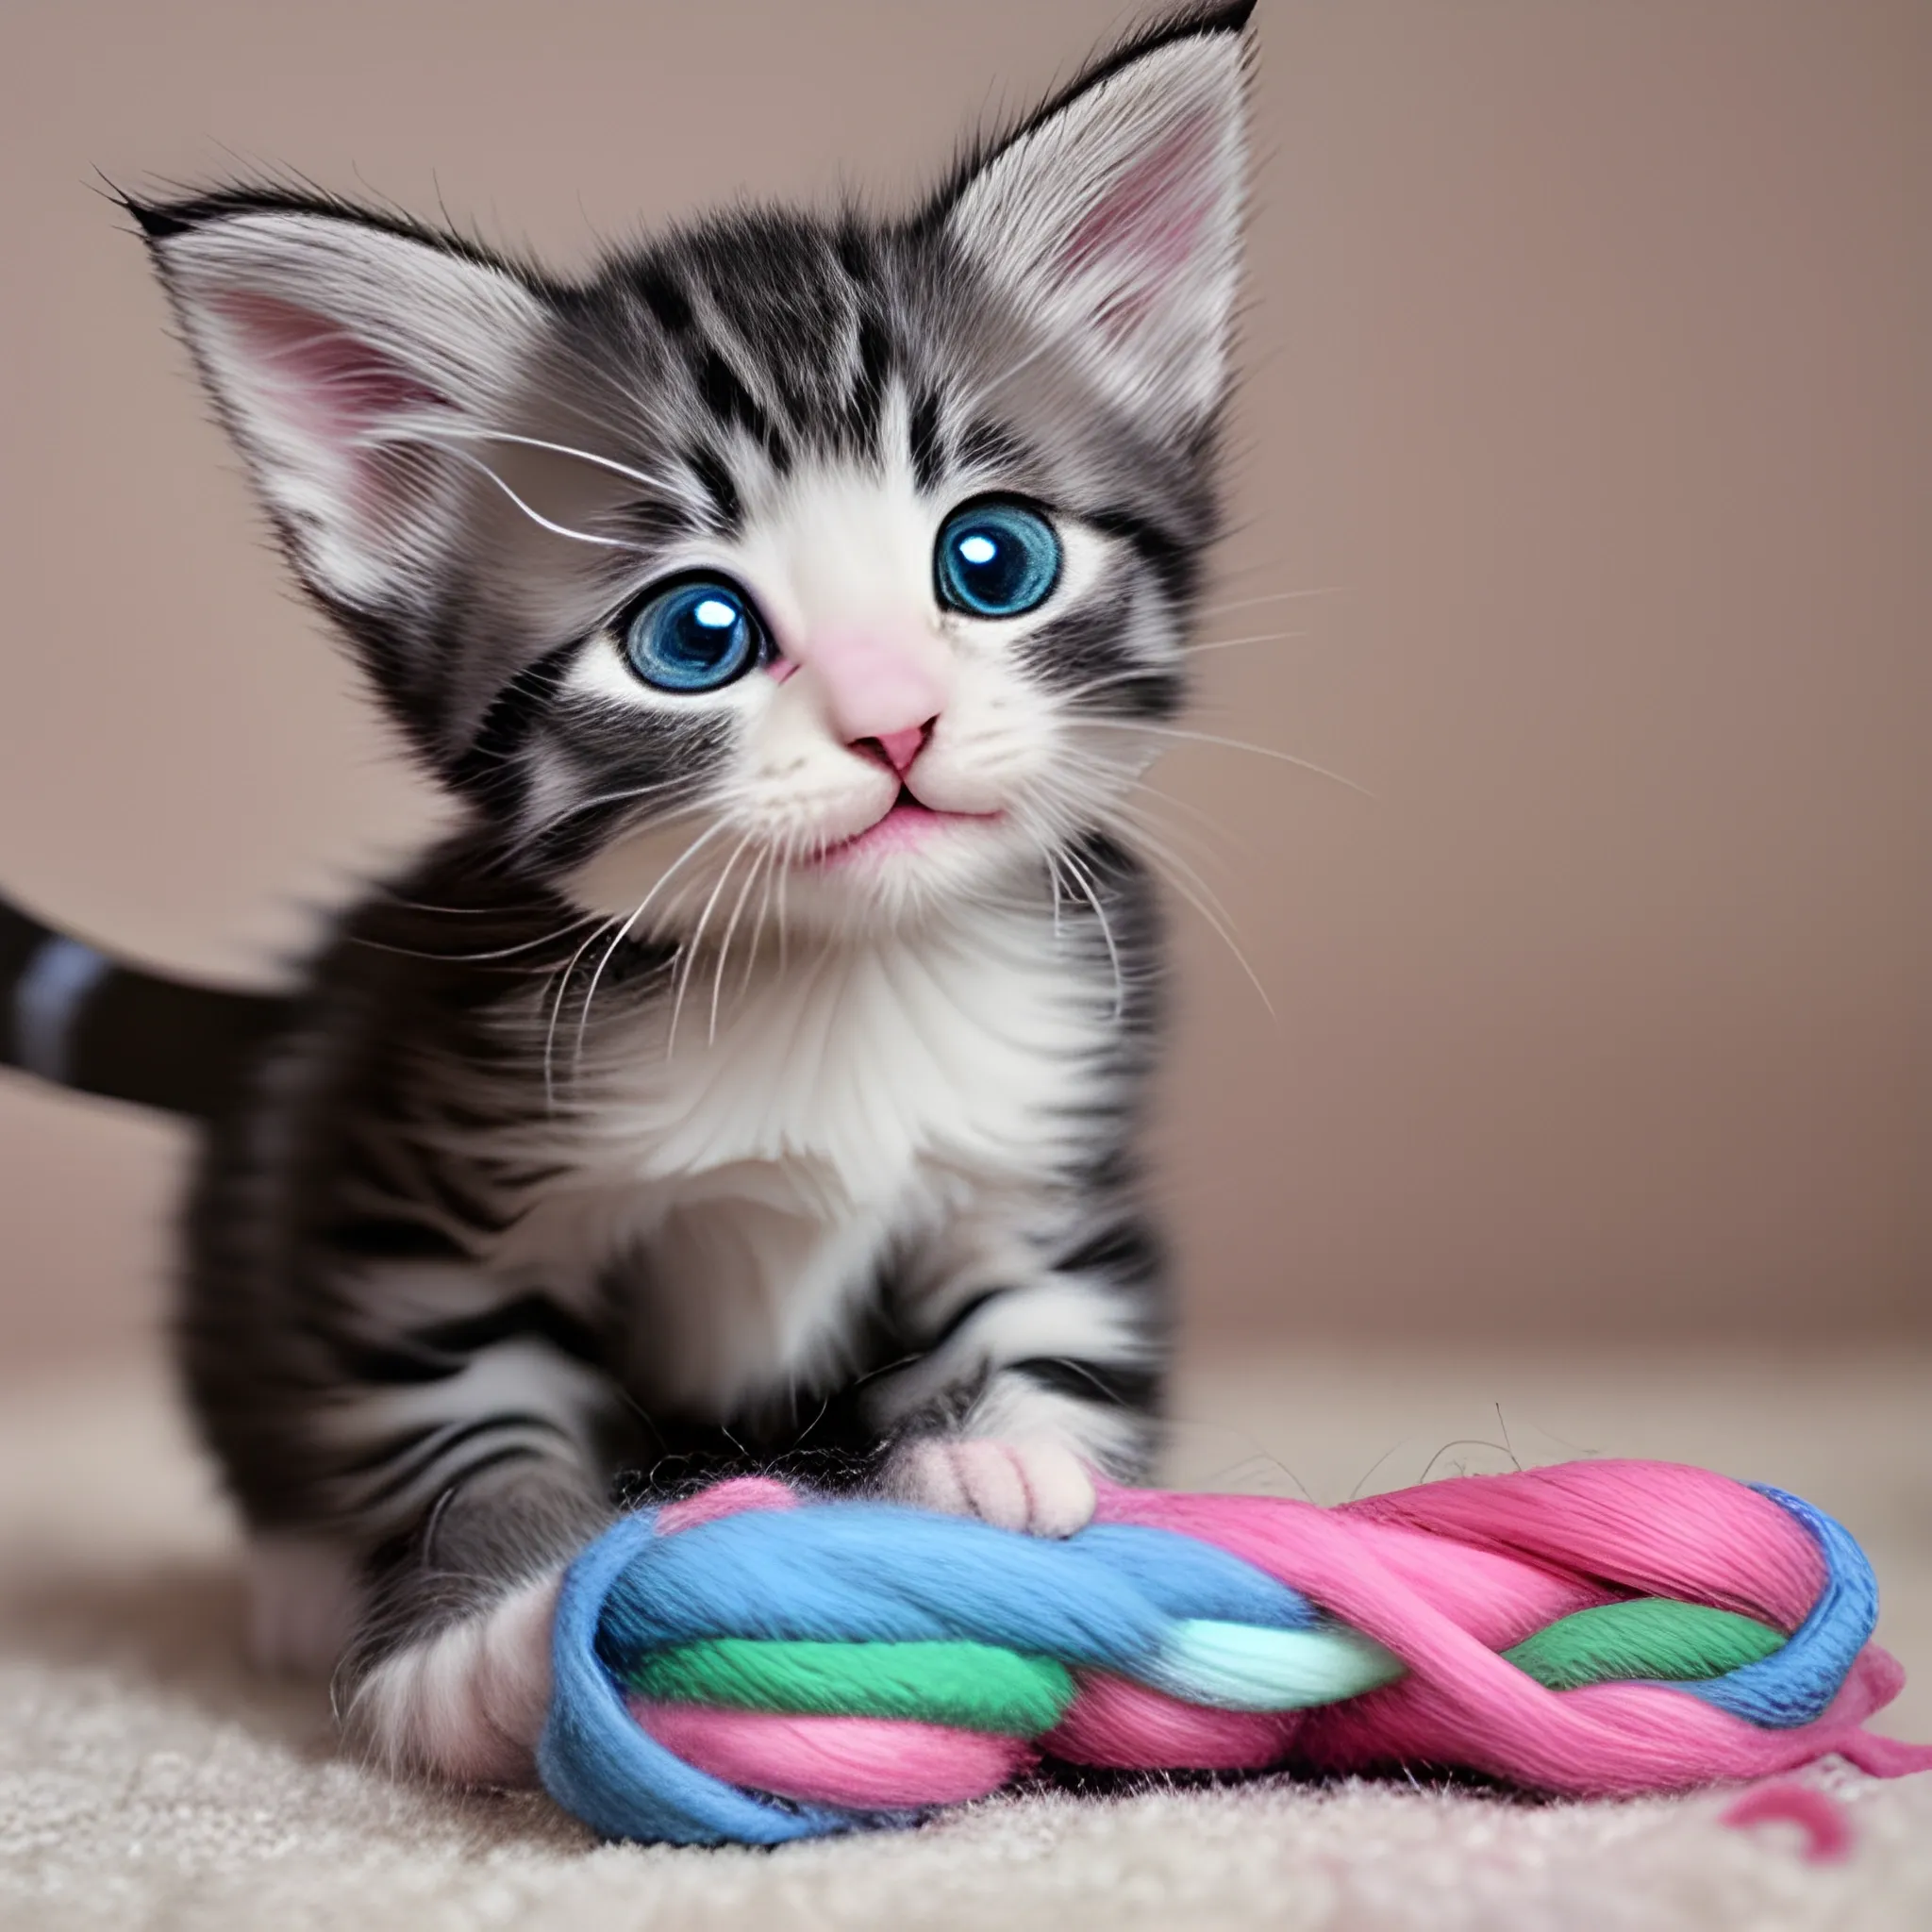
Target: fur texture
754,1078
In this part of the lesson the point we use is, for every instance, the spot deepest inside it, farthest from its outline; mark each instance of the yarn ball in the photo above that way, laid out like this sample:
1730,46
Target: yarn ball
756,1665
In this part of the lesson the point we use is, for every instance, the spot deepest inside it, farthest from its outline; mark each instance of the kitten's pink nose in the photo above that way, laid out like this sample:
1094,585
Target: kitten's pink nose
880,688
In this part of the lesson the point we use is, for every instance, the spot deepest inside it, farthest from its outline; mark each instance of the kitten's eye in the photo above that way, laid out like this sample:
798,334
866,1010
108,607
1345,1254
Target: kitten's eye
996,560
698,637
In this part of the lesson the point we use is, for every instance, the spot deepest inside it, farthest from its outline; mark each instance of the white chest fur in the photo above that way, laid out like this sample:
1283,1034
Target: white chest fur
847,1100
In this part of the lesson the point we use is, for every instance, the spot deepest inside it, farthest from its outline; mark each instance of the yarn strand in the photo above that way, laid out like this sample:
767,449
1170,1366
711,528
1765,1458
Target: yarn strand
756,1665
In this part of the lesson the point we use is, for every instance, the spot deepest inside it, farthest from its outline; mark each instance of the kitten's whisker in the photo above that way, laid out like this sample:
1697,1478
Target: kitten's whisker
793,849
1182,878
678,789
1260,637
1149,840
395,898
683,858
1259,751
406,430
624,395
472,959
691,951
1204,831
538,517
1179,880
1273,597
1154,673
1145,825
1151,674
751,878
774,875
557,1011
1087,886
1104,777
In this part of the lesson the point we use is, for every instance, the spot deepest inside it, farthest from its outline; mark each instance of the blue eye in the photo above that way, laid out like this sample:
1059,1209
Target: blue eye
996,560
697,636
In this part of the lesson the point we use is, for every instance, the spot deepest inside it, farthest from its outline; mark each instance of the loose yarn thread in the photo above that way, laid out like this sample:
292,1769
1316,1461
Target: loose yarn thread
754,1665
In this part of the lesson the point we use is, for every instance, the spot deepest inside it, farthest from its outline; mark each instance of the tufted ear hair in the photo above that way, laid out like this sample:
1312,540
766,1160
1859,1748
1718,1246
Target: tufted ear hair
1114,215
348,355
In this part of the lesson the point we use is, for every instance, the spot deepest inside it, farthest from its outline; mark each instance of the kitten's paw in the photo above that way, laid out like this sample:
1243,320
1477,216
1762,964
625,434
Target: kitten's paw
468,1704
1041,1488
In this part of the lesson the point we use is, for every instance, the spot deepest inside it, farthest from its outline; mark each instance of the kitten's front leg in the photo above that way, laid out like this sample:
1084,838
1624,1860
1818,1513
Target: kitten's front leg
1029,1390
447,1480
450,1674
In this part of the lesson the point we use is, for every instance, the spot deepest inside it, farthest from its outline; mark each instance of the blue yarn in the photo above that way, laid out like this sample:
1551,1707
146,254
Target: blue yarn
879,1573
858,1572
1189,1578
597,1761
1146,1603
1796,1684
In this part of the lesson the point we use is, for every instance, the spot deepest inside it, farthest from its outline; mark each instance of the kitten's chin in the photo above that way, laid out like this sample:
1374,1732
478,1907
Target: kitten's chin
910,866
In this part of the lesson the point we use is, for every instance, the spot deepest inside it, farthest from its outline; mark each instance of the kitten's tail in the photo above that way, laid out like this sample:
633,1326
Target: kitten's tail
82,1020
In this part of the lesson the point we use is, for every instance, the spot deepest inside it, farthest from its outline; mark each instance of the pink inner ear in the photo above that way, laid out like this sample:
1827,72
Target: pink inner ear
331,385
1148,223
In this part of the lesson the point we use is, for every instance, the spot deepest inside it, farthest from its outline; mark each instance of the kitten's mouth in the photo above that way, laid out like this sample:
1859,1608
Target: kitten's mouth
907,825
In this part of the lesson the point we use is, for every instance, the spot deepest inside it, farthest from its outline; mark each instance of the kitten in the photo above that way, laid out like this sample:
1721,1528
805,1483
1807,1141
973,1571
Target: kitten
754,1078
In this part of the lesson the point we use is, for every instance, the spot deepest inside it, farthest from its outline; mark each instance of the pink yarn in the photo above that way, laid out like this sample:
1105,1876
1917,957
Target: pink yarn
1827,1828
1659,1528
869,1763
1446,1577
1128,1726
730,1498
1446,1574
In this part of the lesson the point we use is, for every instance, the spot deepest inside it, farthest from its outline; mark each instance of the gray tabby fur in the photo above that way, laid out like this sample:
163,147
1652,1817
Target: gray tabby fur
620,1140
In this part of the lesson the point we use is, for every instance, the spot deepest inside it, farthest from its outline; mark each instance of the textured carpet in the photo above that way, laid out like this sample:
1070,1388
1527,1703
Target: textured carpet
146,1779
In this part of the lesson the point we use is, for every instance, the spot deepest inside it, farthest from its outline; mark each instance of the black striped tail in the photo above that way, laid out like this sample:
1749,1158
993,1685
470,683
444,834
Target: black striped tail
74,1016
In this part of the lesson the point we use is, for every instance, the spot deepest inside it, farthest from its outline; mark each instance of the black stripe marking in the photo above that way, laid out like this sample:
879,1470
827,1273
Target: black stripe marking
488,762
1082,656
963,1314
1175,566
392,1237
389,1368
734,406
530,1315
666,301
991,446
1126,1252
426,1455
1118,1386
446,1349
927,457
869,381
517,1451
729,507
855,254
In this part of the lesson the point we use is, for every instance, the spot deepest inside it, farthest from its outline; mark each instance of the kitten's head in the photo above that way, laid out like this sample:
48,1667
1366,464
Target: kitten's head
842,554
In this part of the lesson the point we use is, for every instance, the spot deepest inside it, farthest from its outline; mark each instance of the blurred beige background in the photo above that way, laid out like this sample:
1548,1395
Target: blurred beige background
1585,444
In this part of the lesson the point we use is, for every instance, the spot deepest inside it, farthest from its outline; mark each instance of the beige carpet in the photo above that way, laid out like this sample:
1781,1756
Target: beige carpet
147,1780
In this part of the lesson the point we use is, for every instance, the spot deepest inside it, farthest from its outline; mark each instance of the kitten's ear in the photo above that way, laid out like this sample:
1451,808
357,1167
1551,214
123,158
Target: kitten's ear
348,357
1115,213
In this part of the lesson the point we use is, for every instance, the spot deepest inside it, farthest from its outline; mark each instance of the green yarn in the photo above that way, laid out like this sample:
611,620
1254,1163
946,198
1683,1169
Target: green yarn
1648,1637
978,1686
